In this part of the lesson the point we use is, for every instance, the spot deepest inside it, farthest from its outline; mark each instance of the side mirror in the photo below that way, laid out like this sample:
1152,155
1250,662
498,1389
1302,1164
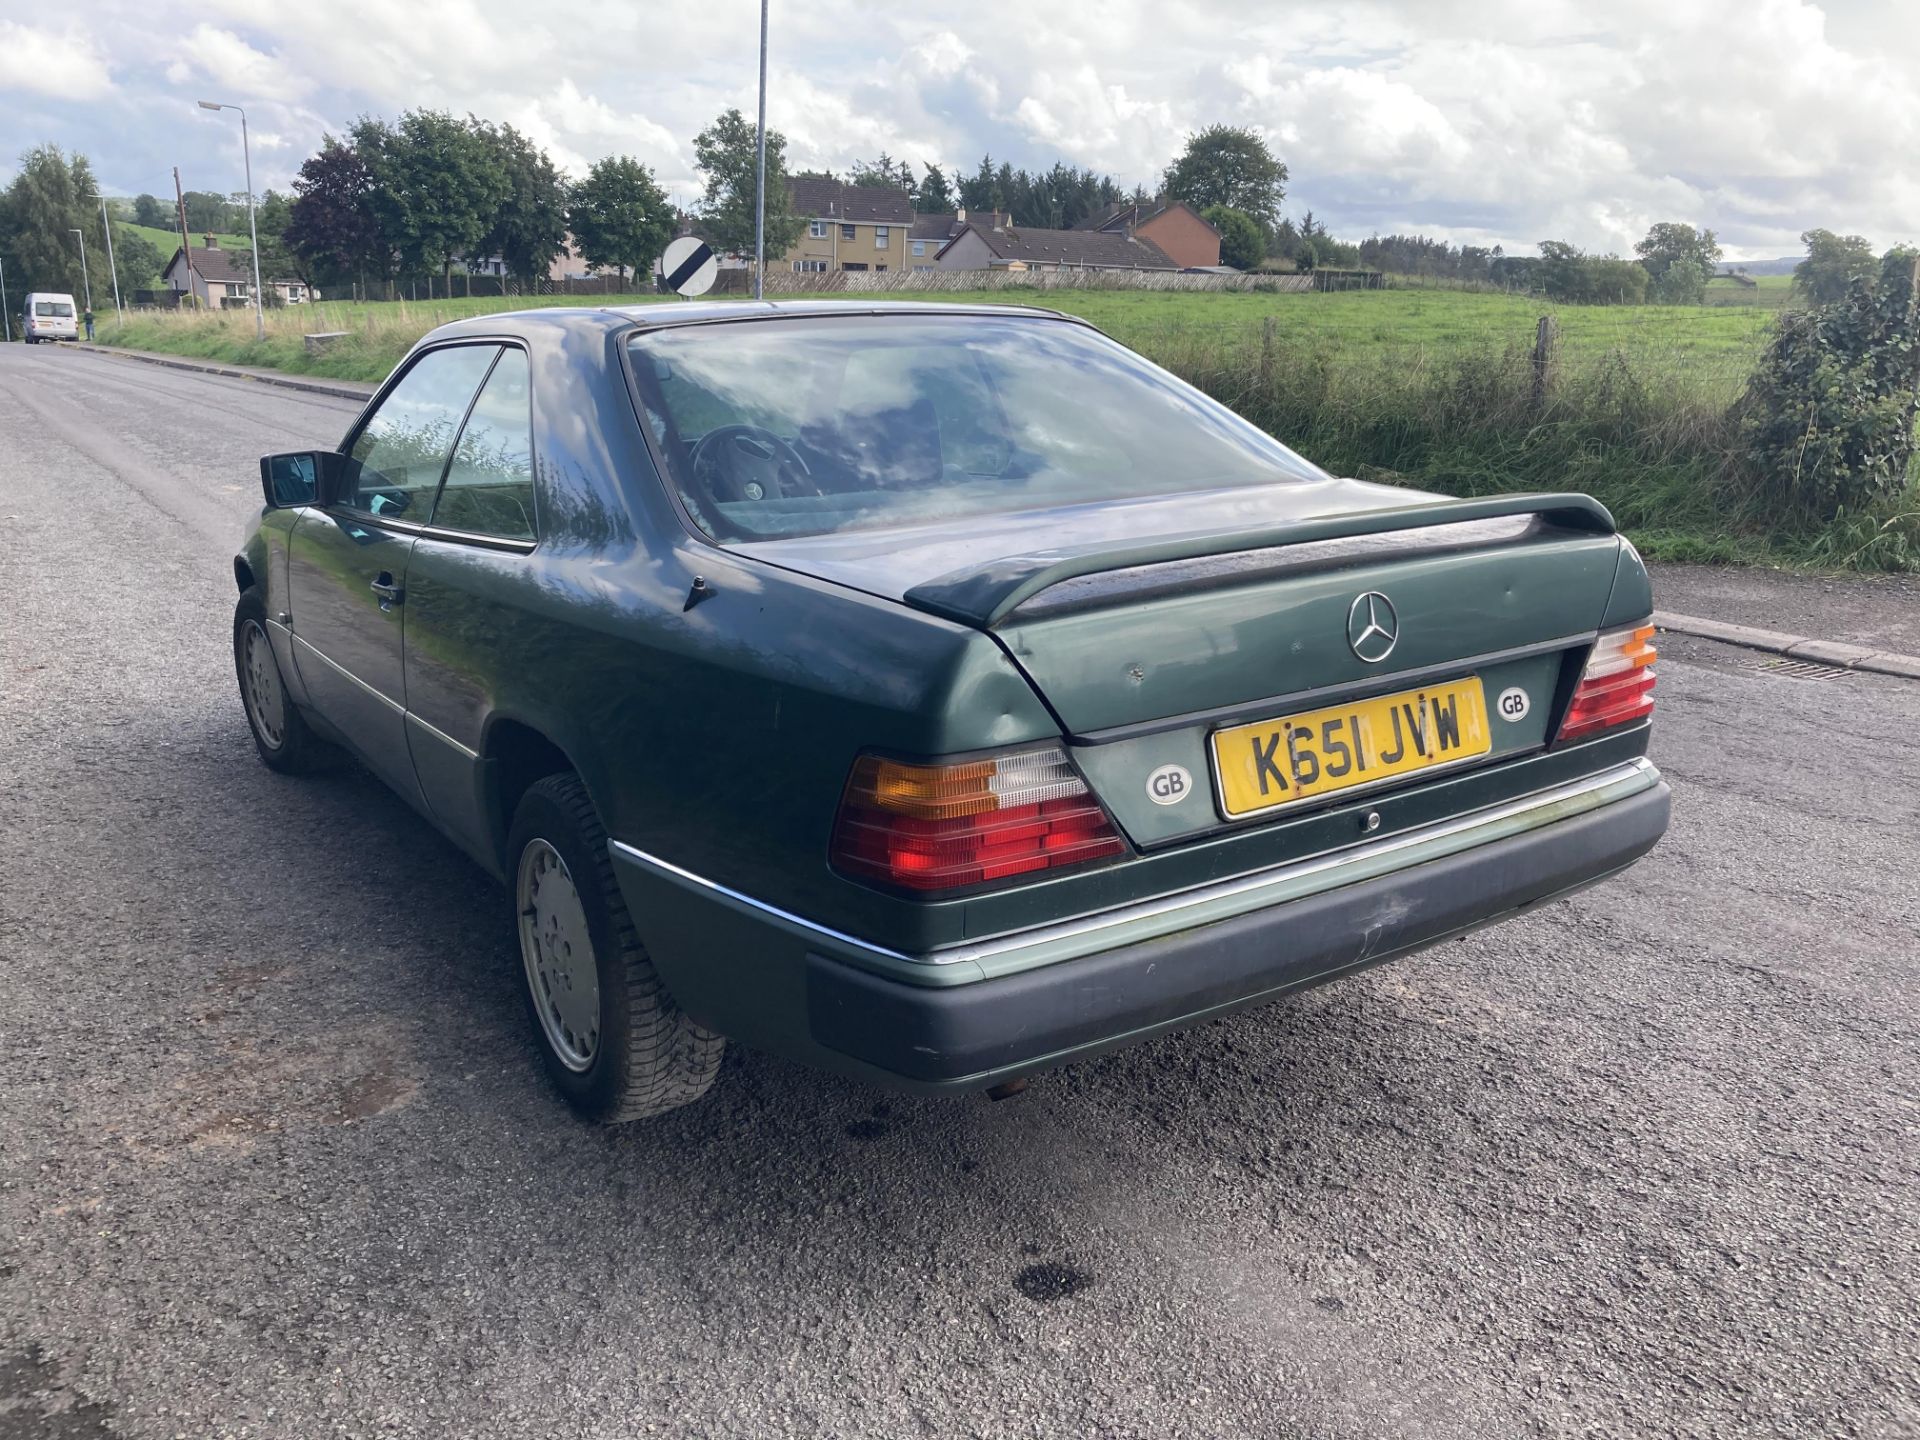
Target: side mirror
300,477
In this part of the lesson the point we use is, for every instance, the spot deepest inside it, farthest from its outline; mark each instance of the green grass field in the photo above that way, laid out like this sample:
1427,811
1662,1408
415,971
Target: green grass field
1430,388
167,241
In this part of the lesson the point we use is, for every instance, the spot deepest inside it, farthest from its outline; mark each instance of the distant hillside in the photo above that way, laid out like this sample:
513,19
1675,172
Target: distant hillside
1783,266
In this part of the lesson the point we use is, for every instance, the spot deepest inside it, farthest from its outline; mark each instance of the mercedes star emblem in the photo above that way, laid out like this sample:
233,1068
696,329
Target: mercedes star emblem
1373,629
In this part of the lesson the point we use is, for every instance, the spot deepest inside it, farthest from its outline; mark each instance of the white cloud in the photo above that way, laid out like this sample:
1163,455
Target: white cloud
66,64
1508,120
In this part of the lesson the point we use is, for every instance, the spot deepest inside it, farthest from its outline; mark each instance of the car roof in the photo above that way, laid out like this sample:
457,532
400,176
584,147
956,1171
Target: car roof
665,314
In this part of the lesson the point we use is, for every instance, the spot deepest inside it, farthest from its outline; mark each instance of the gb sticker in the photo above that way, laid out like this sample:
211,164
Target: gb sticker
1169,785
1513,704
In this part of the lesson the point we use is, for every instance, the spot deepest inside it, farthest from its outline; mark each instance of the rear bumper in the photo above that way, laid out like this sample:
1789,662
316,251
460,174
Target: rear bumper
956,1036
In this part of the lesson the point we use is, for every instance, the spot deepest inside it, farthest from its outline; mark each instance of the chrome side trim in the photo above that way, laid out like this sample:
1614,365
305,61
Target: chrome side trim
1170,907
334,665
437,733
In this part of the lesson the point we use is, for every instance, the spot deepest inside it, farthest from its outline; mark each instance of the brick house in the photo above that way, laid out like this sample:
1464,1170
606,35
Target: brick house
1176,228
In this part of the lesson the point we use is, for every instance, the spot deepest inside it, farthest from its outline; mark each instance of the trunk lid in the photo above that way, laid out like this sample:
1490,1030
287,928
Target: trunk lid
1129,616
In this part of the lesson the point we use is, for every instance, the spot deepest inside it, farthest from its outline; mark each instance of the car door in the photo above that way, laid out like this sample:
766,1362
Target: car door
467,618
347,562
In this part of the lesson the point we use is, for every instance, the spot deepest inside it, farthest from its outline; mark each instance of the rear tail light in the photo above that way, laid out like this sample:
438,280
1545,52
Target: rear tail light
945,827
1617,687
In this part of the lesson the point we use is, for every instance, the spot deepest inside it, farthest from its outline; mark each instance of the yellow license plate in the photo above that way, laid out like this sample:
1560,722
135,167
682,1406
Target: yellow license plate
1343,747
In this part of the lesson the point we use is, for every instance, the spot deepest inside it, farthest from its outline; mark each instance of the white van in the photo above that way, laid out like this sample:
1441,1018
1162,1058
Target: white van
50,317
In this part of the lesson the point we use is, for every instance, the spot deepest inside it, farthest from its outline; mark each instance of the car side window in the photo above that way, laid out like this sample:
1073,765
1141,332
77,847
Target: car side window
397,460
489,488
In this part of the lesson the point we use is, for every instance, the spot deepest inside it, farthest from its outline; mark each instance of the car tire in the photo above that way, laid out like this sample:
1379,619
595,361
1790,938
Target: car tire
280,732
616,1044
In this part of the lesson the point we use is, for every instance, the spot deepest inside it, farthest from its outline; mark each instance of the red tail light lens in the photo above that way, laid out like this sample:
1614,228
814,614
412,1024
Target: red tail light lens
945,827
1617,687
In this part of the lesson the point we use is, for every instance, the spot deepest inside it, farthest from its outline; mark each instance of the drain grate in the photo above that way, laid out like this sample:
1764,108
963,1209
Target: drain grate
1799,669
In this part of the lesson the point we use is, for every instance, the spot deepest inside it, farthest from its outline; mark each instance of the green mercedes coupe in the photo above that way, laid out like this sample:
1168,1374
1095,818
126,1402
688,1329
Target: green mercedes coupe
932,693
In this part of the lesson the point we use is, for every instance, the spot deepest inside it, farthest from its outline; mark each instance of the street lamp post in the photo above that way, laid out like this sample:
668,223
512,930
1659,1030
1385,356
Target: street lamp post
253,229
6,313
760,172
85,283
106,227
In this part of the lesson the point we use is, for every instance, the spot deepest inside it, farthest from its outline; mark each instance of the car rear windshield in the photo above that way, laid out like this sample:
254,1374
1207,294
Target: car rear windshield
808,426
48,307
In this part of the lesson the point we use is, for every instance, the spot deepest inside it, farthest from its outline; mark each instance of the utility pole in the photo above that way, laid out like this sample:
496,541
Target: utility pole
107,226
186,248
6,314
760,166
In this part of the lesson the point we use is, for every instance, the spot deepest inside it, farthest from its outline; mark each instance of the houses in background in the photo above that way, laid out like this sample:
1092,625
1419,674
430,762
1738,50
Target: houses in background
223,279
1173,227
861,227
997,244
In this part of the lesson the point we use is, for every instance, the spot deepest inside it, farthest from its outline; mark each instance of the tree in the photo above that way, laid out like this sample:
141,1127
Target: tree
1829,416
883,174
147,211
724,152
933,197
436,187
331,226
1679,261
620,216
530,226
1833,263
980,191
1243,244
207,213
271,218
1228,165
52,196
136,262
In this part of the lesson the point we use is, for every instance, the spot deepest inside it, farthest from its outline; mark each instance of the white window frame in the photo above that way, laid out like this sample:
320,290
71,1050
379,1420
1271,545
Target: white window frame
880,235
846,232
817,229
919,248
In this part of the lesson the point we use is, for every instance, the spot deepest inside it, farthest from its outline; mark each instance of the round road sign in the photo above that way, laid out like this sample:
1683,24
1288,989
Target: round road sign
689,265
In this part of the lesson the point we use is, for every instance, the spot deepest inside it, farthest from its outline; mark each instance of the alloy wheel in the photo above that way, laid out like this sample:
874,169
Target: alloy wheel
557,951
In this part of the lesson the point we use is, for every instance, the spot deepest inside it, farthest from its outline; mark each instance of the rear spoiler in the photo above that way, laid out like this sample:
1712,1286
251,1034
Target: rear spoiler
984,595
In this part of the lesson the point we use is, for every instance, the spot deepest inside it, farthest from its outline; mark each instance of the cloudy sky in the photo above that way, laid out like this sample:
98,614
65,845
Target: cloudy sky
1478,120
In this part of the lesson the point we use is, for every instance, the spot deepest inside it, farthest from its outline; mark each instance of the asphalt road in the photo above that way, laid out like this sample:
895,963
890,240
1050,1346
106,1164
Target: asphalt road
276,1159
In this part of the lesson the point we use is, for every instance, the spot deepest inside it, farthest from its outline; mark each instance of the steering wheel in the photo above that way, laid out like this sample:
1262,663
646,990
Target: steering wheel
749,462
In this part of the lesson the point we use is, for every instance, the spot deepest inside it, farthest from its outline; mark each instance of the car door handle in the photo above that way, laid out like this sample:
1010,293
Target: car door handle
390,594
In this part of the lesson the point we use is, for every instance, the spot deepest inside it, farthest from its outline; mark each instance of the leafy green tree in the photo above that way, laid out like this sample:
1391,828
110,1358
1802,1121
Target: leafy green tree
1229,165
883,174
331,227
136,262
530,226
209,214
1679,261
147,211
437,184
271,218
1829,417
621,217
724,153
1243,244
1833,263
51,196
933,197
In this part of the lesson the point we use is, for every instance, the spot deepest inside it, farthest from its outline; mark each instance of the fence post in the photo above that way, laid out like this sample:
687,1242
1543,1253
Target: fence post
1267,327
1545,338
